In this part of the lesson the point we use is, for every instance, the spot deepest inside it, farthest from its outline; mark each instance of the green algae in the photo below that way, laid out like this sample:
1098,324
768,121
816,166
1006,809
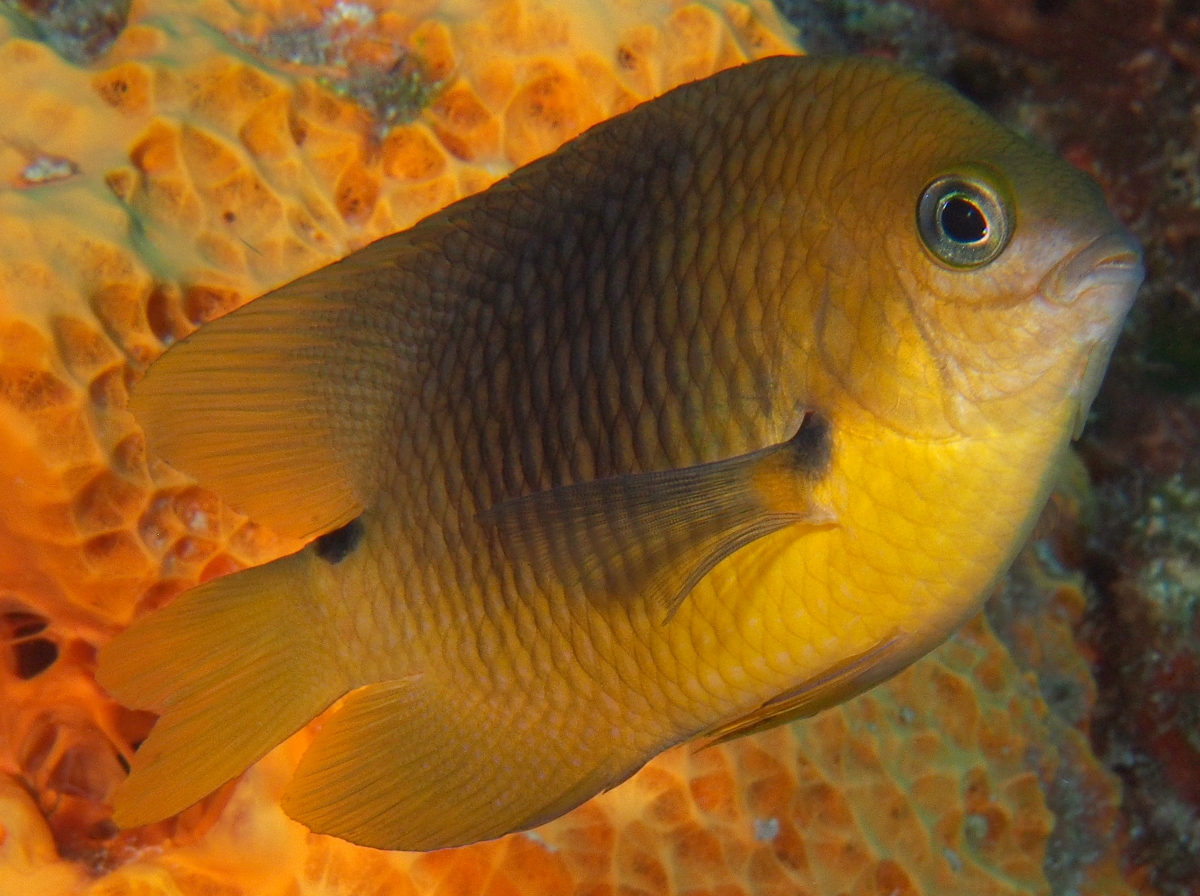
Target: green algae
391,95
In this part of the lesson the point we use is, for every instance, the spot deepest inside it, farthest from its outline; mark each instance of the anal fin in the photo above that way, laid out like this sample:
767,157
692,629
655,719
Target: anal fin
396,768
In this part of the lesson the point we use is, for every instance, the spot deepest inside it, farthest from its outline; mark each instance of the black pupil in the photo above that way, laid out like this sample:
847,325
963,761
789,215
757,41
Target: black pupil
962,220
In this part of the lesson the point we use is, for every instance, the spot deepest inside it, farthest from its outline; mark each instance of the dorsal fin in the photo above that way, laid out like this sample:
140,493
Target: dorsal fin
268,407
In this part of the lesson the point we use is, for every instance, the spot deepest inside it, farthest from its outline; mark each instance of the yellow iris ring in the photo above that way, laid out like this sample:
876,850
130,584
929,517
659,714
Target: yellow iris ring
950,207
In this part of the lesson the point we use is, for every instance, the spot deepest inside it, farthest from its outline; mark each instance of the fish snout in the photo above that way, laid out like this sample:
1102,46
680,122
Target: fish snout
1110,264
1100,280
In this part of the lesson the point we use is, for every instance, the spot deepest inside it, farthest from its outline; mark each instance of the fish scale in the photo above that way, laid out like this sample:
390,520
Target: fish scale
700,424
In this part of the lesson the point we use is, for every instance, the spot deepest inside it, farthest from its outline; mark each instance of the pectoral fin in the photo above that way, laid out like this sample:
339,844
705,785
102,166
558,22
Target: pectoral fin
656,535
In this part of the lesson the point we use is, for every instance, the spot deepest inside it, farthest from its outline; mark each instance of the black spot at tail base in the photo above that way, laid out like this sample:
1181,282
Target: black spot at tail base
335,546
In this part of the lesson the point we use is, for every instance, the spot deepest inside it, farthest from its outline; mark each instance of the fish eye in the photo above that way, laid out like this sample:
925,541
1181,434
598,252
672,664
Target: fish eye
963,221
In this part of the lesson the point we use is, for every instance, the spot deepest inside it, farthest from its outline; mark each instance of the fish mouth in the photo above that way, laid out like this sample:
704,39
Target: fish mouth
1111,263
1102,277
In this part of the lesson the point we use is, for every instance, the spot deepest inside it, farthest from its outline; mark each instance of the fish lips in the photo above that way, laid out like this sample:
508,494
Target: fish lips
1100,281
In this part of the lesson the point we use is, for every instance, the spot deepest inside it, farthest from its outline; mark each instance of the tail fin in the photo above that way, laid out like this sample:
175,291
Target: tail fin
235,667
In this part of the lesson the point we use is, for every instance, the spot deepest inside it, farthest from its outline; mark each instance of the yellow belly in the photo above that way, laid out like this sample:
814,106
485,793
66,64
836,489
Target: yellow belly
923,529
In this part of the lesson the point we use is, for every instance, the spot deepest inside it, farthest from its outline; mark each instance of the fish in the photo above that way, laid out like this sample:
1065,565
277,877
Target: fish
729,409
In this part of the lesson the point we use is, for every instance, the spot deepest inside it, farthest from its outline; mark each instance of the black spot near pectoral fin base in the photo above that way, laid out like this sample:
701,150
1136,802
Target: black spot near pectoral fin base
812,446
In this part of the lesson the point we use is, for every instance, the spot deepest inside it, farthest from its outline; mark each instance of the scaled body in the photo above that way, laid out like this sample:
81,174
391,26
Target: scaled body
722,413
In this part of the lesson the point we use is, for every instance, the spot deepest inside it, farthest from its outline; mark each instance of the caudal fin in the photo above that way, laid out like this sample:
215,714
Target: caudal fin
234,667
